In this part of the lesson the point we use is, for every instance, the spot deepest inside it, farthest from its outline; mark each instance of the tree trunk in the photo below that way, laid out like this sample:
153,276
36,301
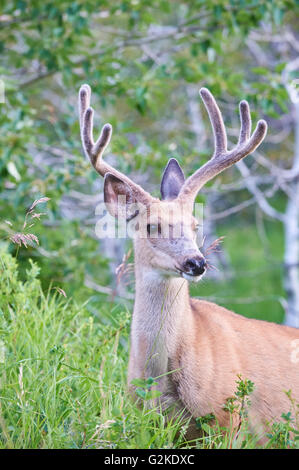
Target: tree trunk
291,228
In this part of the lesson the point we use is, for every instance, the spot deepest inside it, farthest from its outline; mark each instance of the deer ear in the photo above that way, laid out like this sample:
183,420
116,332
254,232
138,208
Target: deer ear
119,197
172,180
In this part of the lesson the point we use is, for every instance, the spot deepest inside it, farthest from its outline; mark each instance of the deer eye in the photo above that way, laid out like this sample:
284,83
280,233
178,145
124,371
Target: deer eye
152,229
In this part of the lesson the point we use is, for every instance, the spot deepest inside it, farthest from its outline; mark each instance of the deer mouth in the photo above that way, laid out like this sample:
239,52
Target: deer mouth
189,276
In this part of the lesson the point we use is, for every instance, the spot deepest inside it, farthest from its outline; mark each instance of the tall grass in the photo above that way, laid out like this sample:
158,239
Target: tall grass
63,377
63,373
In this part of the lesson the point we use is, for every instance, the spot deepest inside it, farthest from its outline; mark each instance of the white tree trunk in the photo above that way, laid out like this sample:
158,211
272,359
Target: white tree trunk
291,228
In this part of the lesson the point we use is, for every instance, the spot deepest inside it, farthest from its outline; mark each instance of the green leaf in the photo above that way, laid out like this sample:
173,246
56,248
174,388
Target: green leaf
141,393
280,67
260,70
139,383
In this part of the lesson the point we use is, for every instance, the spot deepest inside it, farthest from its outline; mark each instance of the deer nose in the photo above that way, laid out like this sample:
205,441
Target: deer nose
195,266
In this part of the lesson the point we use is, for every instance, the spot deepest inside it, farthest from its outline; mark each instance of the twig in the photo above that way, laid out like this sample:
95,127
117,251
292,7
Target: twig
232,210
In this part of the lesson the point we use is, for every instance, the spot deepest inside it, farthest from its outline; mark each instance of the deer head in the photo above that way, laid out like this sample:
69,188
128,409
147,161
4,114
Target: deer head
166,235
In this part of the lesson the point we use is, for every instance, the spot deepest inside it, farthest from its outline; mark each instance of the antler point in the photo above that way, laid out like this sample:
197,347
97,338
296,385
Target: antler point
244,103
89,110
85,89
262,124
204,91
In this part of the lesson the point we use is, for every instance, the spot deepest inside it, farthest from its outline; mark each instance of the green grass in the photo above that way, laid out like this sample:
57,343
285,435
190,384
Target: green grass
63,373
63,377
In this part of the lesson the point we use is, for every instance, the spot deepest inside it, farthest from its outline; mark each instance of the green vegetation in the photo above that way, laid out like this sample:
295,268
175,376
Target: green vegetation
63,373
141,82
63,343
63,379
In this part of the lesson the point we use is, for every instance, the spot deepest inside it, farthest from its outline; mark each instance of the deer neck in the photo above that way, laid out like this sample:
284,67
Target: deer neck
161,312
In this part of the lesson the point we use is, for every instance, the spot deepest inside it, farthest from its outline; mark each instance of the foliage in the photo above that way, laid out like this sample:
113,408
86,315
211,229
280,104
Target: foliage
140,58
286,432
63,380
240,403
52,395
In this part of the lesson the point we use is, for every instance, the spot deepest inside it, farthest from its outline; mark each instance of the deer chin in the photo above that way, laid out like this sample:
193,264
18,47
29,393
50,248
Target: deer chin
191,278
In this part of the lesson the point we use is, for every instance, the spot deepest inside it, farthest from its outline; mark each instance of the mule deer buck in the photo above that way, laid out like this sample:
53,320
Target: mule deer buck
195,348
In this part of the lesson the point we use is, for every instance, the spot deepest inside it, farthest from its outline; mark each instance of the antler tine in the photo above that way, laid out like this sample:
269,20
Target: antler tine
95,150
216,121
84,101
222,158
245,122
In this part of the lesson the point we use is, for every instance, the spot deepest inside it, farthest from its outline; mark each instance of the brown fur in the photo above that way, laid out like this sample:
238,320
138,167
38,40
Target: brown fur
210,346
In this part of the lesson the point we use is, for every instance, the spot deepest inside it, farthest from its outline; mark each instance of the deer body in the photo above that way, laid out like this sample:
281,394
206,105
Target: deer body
195,349
207,347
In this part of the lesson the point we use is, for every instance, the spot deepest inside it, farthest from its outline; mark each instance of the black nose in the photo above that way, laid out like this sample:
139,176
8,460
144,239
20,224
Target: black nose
195,266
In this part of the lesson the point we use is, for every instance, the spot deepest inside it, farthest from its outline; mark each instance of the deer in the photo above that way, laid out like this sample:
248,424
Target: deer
195,349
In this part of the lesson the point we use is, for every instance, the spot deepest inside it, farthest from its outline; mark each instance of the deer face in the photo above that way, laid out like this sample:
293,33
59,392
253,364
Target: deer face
164,232
170,241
